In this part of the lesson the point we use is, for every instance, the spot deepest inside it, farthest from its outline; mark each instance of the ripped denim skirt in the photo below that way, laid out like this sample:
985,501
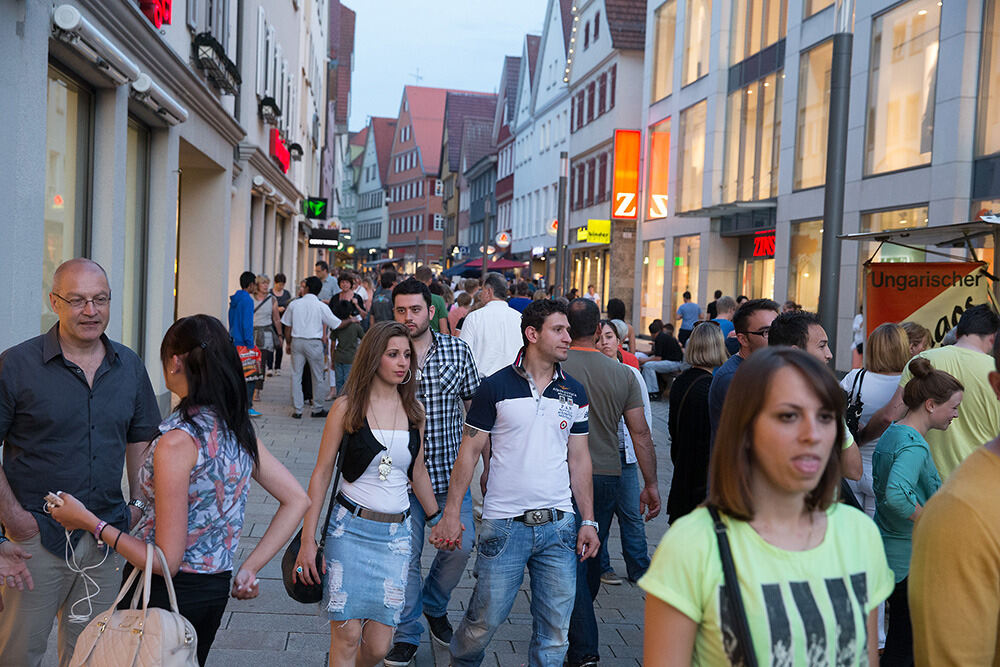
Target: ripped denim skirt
366,567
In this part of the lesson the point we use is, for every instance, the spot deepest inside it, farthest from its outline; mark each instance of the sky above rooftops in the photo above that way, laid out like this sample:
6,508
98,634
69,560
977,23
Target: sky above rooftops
458,44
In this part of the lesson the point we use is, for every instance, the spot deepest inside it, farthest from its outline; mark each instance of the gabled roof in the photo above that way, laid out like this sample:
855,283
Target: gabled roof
384,129
626,19
566,9
532,44
345,55
477,141
507,98
459,107
358,138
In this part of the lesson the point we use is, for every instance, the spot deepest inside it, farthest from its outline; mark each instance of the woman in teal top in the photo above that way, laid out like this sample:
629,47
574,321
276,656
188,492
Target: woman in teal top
904,478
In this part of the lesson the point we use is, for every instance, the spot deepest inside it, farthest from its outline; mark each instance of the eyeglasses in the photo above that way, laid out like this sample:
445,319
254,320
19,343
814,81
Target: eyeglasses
79,303
760,332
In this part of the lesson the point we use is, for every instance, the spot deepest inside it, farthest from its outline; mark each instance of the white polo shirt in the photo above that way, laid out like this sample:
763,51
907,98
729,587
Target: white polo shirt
307,315
529,466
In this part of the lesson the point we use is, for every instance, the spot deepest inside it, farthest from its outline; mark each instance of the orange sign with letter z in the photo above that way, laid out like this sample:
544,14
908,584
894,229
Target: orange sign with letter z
625,186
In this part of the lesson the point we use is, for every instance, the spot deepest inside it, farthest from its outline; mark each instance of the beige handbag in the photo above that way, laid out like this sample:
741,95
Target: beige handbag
139,637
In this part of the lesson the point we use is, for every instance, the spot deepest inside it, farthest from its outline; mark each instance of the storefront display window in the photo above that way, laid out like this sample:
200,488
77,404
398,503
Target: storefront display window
653,269
67,178
757,265
813,6
663,65
804,264
988,123
697,40
692,156
753,128
901,87
134,265
685,271
757,24
813,117
891,221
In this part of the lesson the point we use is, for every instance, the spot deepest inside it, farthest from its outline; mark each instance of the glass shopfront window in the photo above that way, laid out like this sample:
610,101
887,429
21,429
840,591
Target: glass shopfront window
663,50
653,270
753,129
893,220
134,266
684,277
901,87
988,123
813,117
692,156
804,264
697,40
67,178
757,265
757,24
813,6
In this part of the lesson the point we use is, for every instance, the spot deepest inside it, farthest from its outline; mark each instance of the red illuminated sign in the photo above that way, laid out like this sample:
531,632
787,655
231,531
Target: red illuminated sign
157,11
659,168
625,185
763,244
279,151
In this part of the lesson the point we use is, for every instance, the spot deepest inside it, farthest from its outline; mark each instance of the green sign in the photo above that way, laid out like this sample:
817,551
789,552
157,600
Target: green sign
314,207
678,261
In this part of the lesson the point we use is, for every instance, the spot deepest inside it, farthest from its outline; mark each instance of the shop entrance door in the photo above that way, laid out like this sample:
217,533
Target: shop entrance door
757,278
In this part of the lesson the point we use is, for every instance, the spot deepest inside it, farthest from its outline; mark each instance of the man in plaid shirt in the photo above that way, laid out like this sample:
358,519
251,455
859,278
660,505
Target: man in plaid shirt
447,378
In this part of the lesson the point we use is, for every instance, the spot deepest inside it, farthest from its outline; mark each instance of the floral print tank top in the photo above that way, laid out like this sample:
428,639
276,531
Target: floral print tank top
217,495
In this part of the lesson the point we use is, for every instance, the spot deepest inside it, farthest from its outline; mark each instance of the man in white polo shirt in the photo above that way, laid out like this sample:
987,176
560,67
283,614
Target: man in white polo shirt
536,419
304,320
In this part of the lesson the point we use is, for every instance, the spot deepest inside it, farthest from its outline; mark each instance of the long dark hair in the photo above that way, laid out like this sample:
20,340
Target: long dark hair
214,375
363,370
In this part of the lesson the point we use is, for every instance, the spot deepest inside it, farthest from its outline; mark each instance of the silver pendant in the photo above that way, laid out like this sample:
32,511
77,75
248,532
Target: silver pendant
385,467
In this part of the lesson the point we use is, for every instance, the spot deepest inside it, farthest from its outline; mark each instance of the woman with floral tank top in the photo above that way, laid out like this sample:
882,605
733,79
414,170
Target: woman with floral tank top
195,482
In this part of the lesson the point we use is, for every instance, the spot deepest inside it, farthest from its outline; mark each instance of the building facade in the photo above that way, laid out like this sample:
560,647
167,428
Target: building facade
503,138
372,225
735,201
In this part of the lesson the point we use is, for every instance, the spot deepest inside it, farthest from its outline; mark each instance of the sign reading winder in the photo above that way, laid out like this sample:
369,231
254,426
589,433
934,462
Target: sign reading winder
932,294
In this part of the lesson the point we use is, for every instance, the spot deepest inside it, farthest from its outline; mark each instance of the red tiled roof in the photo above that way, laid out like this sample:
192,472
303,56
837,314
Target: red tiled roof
626,19
385,130
345,54
458,108
358,138
533,44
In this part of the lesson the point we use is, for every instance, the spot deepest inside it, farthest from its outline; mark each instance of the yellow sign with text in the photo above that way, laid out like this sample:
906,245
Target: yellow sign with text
581,234
598,231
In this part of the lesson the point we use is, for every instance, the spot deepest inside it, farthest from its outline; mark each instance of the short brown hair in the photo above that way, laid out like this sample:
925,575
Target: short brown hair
706,347
887,349
731,464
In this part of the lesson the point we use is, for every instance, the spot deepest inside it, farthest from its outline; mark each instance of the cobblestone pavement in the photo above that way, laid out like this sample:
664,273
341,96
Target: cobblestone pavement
273,630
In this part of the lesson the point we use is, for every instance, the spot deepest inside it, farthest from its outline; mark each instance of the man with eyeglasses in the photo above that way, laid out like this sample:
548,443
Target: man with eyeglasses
75,408
752,322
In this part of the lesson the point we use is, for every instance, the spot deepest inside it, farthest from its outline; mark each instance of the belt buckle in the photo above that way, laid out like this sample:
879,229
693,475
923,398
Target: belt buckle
537,517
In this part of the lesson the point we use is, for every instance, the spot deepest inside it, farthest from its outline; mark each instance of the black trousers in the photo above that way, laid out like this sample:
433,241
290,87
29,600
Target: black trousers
683,335
307,385
899,635
201,599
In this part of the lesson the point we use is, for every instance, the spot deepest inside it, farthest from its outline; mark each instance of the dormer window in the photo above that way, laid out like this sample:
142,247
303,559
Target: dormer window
586,35
597,25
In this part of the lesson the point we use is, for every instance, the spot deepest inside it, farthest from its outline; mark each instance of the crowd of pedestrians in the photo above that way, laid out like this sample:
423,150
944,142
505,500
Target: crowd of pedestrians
494,416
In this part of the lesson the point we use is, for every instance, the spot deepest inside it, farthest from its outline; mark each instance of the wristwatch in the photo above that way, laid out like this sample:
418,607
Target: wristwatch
138,504
433,519
592,524
3,539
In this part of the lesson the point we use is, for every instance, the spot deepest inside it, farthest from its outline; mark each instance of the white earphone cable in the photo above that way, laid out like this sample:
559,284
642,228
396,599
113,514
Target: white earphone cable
74,566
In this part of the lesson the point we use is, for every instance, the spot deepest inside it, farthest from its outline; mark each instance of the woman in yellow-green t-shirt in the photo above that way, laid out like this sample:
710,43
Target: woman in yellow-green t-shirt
811,571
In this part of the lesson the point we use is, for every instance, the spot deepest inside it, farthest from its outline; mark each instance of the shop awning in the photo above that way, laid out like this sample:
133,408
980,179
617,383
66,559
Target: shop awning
954,235
457,269
495,265
379,262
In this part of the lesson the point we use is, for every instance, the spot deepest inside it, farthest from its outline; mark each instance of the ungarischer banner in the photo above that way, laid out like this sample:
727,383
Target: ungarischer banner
933,294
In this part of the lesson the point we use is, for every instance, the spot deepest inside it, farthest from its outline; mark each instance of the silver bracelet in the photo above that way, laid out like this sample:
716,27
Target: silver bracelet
139,504
592,524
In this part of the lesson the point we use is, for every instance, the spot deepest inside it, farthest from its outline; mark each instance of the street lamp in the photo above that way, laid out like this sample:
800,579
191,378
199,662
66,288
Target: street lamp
836,161
562,228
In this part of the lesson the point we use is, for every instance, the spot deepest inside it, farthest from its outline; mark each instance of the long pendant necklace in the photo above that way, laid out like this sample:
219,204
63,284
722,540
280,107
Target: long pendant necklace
385,464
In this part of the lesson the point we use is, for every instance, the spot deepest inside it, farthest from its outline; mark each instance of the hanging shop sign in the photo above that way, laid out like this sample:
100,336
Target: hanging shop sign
625,185
598,231
763,244
659,168
314,208
933,294
552,228
157,11
324,238
581,234
279,151
502,239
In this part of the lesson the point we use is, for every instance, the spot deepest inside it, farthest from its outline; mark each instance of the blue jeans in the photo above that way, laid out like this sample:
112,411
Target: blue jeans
505,547
583,640
633,530
340,373
431,596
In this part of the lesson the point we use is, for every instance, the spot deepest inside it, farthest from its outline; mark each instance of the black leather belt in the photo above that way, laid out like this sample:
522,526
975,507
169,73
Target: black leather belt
540,517
372,515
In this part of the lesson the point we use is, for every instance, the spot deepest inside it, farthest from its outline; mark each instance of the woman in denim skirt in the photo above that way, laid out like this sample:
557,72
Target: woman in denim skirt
376,427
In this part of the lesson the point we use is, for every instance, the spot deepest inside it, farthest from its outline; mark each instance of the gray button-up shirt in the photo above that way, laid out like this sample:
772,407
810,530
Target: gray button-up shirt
60,434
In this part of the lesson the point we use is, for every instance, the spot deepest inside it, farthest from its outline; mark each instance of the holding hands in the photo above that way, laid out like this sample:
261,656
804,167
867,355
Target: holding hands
447,533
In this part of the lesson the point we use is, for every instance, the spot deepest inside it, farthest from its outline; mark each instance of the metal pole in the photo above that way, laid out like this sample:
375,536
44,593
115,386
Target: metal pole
836,160
562,229
487,237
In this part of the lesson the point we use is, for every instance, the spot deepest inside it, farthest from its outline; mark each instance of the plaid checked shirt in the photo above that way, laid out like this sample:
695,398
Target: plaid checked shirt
448,378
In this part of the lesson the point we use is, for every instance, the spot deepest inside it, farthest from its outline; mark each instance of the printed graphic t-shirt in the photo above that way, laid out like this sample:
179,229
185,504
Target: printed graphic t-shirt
803,607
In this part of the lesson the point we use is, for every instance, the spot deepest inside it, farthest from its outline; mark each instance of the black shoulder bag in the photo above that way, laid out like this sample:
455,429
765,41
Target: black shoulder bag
855,405
742,653
298,591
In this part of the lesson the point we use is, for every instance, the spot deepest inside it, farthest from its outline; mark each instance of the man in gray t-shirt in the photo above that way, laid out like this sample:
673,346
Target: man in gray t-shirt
613,392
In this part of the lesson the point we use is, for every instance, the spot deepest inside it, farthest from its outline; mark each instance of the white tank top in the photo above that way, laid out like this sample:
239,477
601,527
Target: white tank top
389,495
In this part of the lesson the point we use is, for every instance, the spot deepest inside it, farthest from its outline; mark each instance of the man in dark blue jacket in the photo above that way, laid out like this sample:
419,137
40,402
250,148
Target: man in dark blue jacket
241,322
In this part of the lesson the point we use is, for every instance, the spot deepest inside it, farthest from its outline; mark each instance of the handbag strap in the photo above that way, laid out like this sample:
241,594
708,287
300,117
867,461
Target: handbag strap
333,496
858,381
743,652
147,572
